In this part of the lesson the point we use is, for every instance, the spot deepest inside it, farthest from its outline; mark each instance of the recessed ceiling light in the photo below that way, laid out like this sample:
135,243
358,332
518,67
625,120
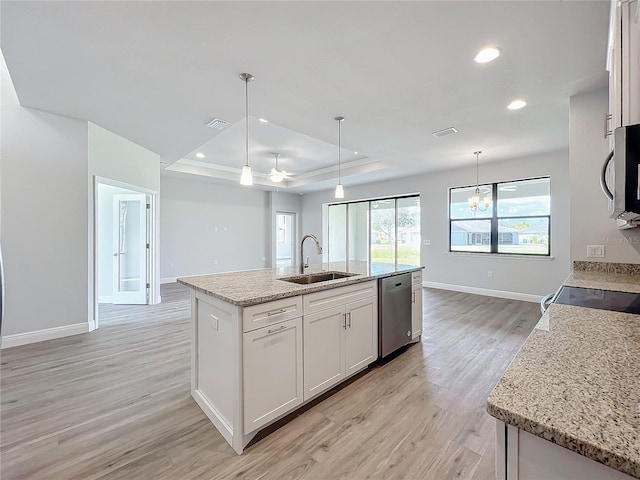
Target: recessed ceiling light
517,104
487,55
263,120
355,153
199,155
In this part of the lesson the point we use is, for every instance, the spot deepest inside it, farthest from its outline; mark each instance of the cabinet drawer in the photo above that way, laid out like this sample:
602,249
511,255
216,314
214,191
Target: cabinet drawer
416,277
316,302
263,314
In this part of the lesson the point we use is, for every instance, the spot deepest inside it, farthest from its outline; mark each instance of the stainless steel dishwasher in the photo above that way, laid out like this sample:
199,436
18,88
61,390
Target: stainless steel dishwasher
394,320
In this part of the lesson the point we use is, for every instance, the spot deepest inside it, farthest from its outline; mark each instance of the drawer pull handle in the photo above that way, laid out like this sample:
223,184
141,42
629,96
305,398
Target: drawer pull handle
282,310
275,330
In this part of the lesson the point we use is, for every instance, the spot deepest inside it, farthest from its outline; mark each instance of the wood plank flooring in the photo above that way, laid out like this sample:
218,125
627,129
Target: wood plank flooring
115,403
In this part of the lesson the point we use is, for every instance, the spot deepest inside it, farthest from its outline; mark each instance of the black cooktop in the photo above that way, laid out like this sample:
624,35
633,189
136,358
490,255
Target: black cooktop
601,299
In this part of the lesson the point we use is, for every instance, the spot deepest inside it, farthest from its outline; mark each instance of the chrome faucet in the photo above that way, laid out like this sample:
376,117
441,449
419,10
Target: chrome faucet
318,247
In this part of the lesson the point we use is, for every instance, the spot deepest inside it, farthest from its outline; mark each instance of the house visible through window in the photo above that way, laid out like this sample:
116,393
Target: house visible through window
518,221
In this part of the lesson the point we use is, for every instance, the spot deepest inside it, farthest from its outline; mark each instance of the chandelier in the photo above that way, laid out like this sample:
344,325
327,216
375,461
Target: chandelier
476,202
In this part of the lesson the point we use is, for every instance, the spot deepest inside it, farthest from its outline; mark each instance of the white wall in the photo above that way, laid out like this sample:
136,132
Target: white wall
529,276
44,219
208,228
105,240
118,159
590,222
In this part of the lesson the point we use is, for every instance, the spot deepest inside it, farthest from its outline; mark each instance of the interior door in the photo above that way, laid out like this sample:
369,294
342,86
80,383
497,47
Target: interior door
130,249
285,233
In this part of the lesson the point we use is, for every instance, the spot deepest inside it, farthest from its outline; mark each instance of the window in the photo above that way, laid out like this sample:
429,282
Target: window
518,221
383,231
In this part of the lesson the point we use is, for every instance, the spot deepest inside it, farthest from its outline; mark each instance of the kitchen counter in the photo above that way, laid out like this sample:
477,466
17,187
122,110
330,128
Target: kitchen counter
575,381
251,287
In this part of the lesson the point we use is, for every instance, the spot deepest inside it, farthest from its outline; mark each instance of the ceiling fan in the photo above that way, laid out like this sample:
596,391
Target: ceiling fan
277,175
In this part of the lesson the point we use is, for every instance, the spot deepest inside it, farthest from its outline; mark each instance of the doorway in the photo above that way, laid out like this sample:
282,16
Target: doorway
124,238
285,235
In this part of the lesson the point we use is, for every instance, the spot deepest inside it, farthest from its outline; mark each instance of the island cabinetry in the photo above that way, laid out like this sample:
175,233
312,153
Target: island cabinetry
416,305
272,374
523,456
270,313
340,336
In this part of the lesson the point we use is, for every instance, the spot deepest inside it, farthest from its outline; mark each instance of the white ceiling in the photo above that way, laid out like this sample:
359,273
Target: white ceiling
156,72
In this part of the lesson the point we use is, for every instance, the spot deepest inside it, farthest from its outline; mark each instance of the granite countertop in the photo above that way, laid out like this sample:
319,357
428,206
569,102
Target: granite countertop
575,381
621,282
251,287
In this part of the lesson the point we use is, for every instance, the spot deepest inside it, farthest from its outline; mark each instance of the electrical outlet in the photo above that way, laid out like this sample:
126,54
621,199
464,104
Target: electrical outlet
490,274
595,251
213,322
171,265
215,262
426,243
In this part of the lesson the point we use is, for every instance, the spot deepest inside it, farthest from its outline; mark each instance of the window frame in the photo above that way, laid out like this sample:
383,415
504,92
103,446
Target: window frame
494,219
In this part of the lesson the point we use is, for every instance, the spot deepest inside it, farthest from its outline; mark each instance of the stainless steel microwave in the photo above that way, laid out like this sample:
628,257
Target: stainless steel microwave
620,177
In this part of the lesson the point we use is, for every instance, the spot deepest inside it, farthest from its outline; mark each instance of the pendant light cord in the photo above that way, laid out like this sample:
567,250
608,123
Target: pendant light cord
339,148
246,111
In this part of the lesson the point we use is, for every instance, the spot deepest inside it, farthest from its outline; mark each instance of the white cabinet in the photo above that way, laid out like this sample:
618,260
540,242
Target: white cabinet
272,372
361,335
340,340
416,305
523,456
623,63
323,350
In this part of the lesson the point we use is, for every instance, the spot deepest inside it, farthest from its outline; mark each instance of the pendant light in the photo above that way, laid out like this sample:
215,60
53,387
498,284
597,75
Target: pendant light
246,178
475,202
339,189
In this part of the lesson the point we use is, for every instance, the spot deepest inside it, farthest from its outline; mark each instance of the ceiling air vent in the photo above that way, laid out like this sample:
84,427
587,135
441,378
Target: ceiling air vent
217,123
445,132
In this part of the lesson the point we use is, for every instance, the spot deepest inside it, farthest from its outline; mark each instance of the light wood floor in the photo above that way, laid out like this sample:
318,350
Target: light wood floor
115,403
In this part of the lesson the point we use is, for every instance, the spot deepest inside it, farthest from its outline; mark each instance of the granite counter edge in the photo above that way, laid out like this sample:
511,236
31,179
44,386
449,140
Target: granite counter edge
552,434
302,290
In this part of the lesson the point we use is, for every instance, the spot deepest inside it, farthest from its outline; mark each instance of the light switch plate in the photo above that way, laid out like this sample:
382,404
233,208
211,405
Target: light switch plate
426,243
595,251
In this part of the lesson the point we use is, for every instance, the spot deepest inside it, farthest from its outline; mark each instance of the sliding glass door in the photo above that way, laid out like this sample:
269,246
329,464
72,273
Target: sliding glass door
384,231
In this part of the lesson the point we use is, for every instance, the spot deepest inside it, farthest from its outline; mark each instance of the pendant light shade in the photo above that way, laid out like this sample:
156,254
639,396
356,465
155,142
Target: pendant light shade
339,188
246,178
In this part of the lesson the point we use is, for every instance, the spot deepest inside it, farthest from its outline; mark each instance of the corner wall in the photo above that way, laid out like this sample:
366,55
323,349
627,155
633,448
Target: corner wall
514,277
44,222
590,222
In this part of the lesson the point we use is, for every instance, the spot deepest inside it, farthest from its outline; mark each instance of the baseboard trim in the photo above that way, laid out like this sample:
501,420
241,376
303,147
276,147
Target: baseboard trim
168,280
524,297
18,339
105,299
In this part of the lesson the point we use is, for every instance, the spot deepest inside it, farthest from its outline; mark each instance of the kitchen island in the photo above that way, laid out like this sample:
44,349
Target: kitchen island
574,384
263,346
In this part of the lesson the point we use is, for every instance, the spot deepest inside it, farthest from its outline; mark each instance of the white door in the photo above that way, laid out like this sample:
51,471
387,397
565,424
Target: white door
285,234
130,249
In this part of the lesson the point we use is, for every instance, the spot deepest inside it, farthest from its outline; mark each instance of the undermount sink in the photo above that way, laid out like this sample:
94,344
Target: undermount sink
316,277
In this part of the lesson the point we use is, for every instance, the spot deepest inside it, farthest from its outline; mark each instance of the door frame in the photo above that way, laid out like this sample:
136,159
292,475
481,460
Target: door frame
152,267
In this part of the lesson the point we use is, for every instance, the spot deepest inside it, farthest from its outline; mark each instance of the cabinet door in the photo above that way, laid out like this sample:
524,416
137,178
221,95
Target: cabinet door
323,350
416,311
272,367
361,346
630,63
